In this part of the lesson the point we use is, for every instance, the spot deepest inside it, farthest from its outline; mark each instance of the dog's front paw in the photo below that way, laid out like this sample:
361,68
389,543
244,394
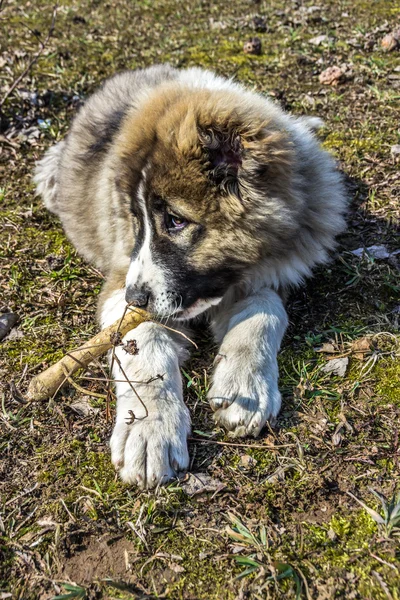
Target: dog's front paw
243,398
152,450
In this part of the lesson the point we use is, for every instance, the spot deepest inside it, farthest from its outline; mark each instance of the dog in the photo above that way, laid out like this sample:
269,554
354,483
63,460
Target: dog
194,196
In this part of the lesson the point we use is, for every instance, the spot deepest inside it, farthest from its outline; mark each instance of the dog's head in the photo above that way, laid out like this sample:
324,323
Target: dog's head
207,175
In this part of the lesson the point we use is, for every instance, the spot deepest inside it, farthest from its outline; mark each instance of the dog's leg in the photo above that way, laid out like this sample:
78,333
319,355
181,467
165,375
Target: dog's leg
244,393
151,448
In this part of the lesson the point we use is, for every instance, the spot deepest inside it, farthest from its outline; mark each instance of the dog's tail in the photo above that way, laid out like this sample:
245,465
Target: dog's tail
47,175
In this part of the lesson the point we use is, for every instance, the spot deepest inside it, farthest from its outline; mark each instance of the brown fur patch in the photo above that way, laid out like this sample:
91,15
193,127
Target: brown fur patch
168,134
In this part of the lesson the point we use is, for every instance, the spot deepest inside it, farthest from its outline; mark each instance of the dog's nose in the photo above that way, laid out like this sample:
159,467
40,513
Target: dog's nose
135,297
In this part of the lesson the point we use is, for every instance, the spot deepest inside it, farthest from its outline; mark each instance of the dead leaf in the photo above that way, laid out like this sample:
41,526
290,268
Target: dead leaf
331,76
320,39
83,407
247,461
377,252
176,568
199,483
336,366
390,42
328,348
361,347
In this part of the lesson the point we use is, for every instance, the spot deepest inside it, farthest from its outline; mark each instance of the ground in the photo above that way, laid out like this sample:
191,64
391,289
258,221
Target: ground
276,517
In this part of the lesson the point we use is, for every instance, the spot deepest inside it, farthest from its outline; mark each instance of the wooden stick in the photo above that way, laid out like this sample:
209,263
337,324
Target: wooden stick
47,383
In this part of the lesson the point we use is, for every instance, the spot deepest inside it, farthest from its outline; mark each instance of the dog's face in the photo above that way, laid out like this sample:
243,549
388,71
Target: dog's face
194,167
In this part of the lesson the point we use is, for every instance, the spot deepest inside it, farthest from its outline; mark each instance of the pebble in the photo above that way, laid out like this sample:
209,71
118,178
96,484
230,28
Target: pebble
252,46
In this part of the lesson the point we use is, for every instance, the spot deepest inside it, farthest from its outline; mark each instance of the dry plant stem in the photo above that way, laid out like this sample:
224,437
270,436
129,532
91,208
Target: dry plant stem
47,383
33,60
235,445
80,388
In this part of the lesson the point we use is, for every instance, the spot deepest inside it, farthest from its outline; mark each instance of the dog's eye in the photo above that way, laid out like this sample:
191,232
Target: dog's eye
174,222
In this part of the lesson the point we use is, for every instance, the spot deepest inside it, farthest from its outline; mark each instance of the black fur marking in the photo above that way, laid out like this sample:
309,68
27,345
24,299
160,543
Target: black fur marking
104,132
224,152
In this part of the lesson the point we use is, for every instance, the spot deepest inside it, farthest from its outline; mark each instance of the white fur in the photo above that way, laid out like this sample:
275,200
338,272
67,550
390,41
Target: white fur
143,271
46,175
197,309
152,449
244,393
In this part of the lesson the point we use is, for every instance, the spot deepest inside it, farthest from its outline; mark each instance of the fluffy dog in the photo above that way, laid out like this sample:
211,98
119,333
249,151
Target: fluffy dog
192,195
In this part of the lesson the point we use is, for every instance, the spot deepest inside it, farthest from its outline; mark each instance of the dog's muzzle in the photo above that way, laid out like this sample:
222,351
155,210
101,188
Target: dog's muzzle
137,296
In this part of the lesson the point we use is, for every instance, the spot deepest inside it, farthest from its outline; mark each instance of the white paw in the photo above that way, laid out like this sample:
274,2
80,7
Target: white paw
152,450
244,398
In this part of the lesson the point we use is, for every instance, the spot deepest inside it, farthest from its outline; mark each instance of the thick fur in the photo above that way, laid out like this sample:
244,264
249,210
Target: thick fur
193,195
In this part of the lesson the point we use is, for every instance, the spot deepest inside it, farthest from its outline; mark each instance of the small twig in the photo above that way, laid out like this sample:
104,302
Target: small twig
47,383
24,522
169,328
108,380
33,60
24,493
262,446
132,388
80,388
109,386
68,512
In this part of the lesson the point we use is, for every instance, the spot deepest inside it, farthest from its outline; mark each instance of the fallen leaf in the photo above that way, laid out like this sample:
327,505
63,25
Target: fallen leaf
326,347
83,407
15,334
337,438
176,568
331,76
336,366
361,347
377,252
395,151
389,42
320,39
199,483
247,461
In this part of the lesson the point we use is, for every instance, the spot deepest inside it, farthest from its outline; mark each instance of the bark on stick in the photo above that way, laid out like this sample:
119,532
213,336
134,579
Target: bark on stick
47,383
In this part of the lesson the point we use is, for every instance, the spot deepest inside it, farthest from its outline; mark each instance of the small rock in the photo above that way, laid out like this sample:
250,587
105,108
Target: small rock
7,322
332,535
395,151
390,42
247,461
320,39
252,46
336,366
331,76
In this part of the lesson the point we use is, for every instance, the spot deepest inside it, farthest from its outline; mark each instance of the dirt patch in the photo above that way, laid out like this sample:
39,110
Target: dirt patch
100,558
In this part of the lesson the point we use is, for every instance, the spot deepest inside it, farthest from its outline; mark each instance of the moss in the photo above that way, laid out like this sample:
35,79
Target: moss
202,578
387,375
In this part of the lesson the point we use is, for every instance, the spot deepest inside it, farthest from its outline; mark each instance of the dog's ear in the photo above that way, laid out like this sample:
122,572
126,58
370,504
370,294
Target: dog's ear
223,151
